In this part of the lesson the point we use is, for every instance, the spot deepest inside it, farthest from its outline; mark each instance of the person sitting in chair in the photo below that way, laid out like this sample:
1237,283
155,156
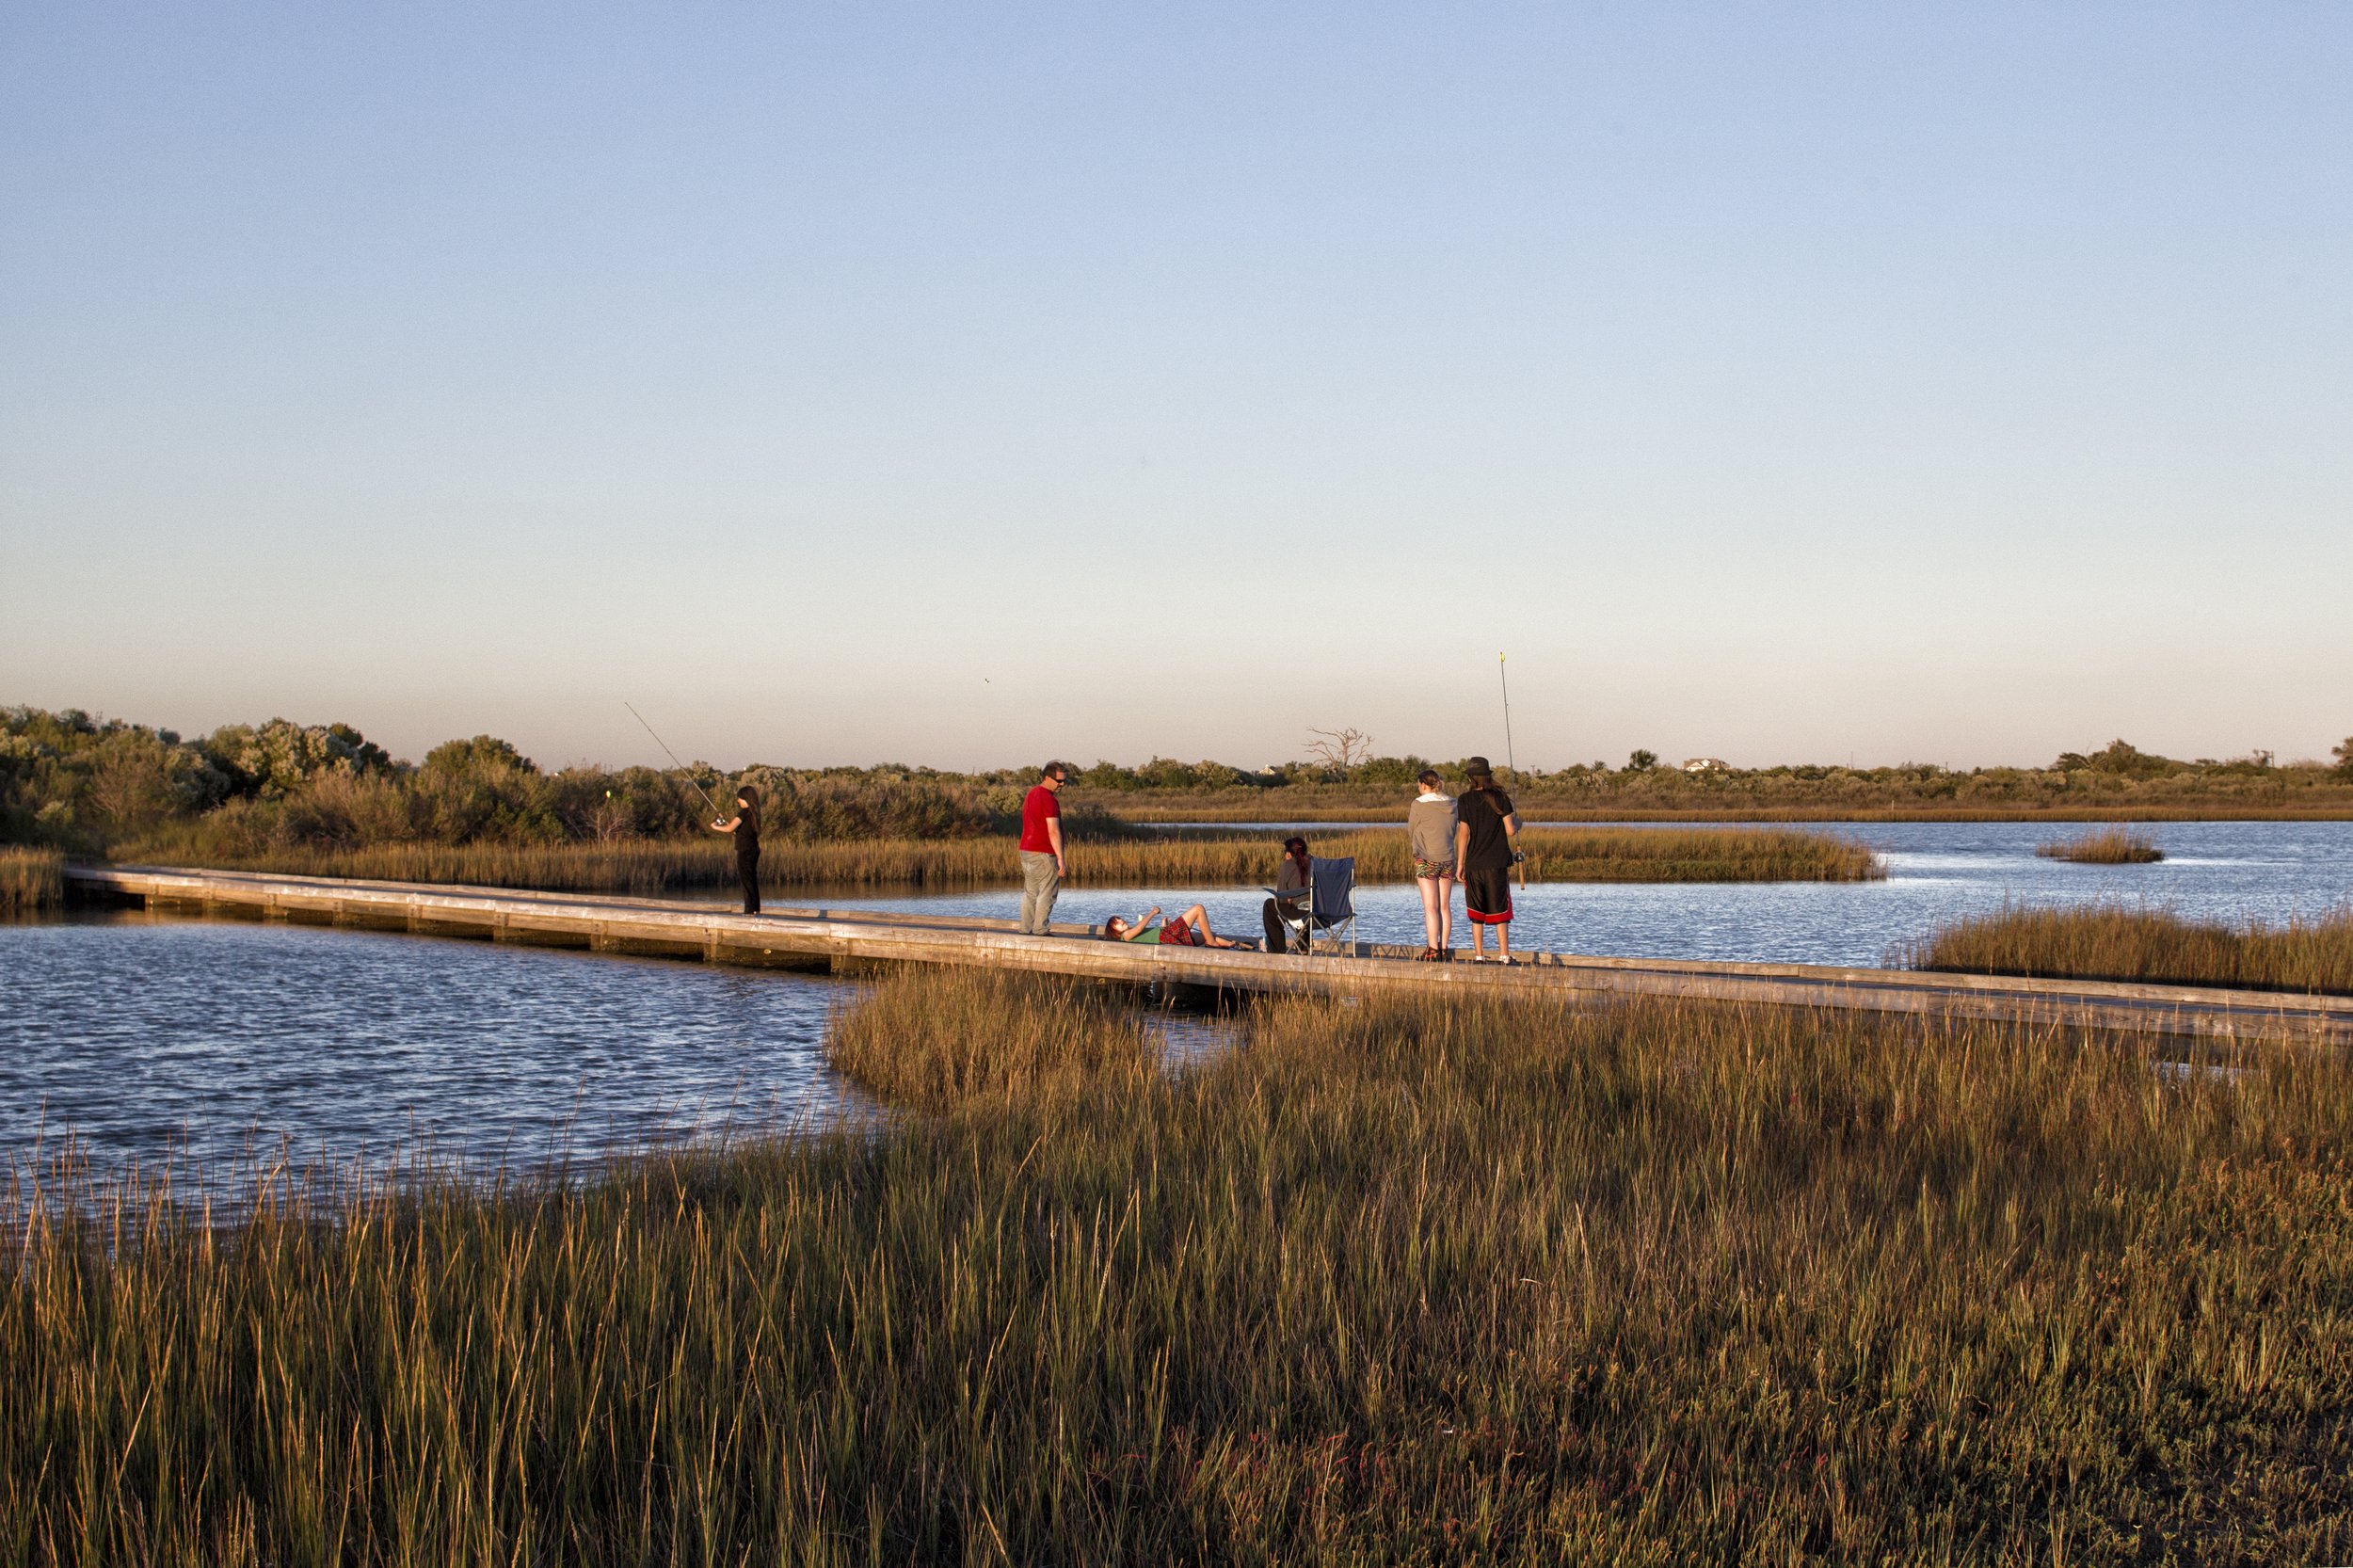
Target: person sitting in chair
1292,879
1188,929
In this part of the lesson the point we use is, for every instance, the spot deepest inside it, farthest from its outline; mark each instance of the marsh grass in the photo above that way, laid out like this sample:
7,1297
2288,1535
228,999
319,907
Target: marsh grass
32,881
651,867
2108,846
1445,1280
1107,860
2152,945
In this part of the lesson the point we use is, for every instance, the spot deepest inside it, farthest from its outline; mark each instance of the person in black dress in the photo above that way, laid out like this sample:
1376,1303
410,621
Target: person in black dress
745,825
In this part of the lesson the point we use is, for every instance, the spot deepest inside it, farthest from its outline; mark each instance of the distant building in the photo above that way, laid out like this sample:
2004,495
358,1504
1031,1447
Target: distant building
1706,764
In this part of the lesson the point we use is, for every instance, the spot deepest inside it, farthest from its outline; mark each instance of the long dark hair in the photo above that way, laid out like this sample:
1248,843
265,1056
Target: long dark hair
749,795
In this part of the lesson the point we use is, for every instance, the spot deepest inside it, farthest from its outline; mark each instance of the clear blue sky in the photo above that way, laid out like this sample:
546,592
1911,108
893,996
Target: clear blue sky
964,384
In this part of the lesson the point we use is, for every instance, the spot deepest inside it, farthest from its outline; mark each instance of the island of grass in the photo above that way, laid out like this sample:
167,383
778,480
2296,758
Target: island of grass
1453,1279
2146,946
2108,846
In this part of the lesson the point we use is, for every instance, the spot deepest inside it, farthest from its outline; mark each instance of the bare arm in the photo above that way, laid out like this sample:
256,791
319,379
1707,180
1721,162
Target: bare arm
1053,836
727,826
1462,846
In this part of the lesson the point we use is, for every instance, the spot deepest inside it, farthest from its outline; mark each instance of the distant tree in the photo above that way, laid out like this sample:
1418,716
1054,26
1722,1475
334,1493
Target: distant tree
1339,749
1641,760
275,759
2343,752
1107,775
482,754
2122,758
1395,771
1166,773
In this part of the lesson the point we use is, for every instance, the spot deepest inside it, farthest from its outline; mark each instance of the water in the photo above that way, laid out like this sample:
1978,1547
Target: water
147,1037
1936,872
161,1040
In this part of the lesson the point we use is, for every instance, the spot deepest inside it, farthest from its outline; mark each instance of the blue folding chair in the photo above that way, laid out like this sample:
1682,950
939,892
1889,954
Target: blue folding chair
1331,902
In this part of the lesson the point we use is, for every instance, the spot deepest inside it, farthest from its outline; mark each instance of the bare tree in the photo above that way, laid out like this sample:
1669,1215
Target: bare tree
1340,749
607,819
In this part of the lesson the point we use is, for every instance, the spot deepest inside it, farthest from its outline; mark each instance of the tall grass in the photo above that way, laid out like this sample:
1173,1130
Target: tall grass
2112,942
32,881
1447,1280
1554,855
650,867
2108,846
1177,860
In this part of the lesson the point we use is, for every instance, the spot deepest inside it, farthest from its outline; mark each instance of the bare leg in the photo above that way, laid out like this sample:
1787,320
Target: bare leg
1198,919
1432,907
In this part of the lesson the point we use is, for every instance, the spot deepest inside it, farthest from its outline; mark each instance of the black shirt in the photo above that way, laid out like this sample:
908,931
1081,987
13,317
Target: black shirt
1482,812
747,835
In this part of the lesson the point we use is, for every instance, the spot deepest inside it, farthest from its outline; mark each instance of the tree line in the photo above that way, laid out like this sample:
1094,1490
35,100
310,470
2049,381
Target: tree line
93,784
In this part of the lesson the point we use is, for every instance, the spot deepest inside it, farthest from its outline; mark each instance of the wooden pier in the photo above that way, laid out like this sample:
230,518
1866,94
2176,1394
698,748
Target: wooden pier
833,939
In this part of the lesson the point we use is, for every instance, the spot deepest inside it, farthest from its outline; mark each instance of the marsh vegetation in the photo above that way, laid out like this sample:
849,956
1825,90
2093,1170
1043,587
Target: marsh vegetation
32,881
1110,857
1444,1280
2108,846
2150,946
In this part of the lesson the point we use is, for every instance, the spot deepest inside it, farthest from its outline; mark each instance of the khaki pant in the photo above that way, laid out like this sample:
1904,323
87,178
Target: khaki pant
1041,881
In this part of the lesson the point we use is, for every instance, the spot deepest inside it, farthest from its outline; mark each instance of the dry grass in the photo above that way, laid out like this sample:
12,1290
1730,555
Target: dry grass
1178,860
2109,846
1554,855
32,881
2111,942
650,867
1449,1280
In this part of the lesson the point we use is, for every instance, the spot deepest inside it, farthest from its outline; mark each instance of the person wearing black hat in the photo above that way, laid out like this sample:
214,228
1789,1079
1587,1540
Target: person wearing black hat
1292,901
1485,825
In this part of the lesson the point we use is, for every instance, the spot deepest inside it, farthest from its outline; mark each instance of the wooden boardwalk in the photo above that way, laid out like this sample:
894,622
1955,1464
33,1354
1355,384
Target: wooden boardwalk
833,939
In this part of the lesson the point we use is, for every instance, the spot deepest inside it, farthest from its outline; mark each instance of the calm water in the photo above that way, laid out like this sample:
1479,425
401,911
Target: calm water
145,1036
1936,872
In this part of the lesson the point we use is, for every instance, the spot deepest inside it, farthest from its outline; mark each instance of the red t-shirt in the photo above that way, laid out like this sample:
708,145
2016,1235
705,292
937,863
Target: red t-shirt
1038,807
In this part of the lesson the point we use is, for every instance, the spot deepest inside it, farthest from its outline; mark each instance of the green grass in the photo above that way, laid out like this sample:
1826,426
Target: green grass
32,881
1123,860
2108,846
1442,1281
2112,942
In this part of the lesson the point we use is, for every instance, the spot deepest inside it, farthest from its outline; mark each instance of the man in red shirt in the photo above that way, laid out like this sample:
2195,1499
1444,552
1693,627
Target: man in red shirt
1041,849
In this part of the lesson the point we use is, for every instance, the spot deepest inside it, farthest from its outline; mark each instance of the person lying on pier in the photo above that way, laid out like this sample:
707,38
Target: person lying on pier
1188,929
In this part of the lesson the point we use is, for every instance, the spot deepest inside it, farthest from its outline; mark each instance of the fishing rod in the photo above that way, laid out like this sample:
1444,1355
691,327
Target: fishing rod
716,813
1511,762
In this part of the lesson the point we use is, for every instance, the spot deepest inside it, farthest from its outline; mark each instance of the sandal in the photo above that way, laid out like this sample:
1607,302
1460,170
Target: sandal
1427,955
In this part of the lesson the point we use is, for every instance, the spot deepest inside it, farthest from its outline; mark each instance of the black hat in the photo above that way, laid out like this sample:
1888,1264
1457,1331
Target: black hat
1476,768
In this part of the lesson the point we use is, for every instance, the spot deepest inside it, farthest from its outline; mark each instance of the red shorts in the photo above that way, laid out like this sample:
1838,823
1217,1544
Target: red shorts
1176,934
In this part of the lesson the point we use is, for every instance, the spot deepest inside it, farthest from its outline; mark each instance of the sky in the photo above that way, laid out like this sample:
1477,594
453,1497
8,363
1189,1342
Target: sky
963,385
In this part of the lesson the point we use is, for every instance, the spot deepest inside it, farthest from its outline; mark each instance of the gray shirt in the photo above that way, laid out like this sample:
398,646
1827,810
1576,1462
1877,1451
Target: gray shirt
1431,824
